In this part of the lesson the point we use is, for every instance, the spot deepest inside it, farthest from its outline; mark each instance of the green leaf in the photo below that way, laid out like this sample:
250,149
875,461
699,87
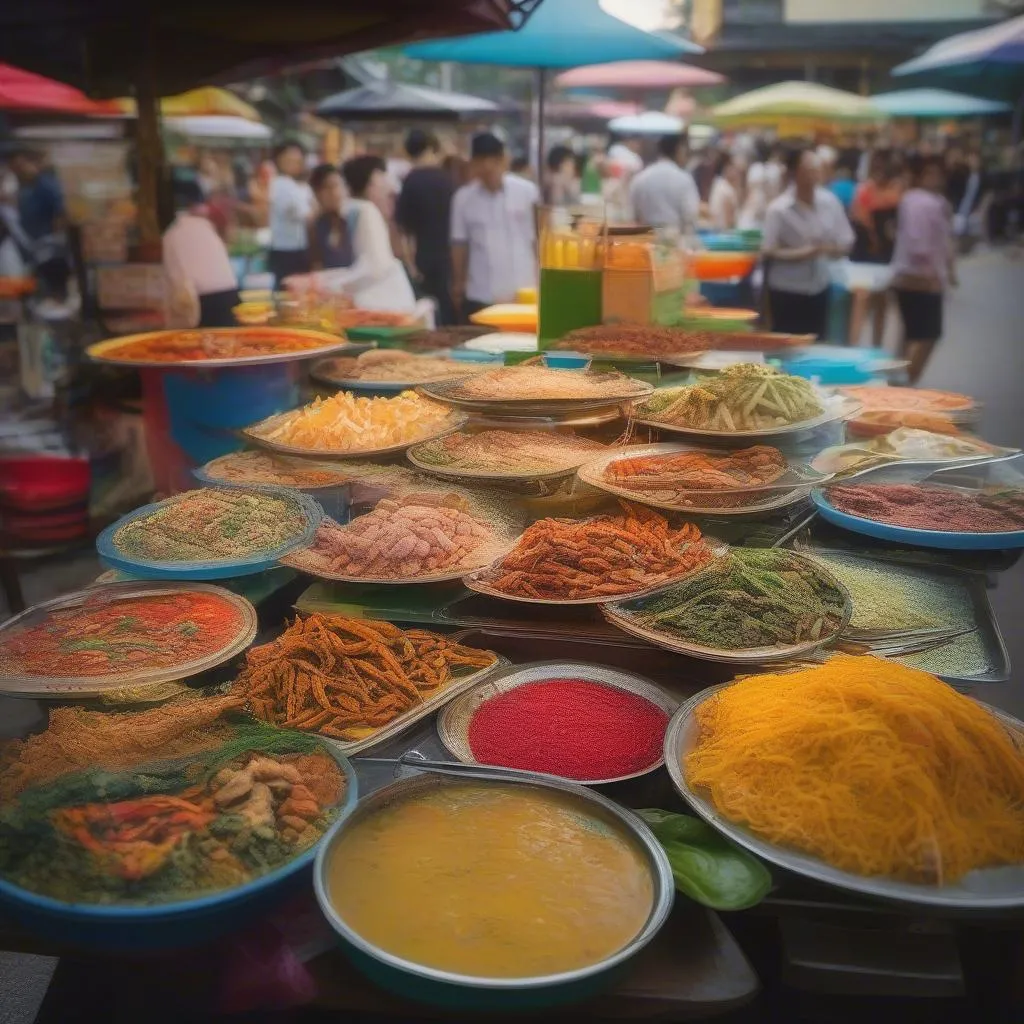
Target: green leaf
706,866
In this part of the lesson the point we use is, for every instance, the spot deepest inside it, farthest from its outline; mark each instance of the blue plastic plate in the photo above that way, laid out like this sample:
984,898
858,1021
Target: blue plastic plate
212,569
179,923
921,538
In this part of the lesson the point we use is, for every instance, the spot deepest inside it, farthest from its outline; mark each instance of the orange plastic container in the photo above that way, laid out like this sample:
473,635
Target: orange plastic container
721,266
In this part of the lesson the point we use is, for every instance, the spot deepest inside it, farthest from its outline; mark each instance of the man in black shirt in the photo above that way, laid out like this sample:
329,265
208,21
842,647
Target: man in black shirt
423,216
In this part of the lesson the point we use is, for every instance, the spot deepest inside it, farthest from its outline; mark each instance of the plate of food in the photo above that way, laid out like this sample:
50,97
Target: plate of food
348,427
562,561
353,681
152,844
537,390
688,478
519,717
873,398
210,533
638,341
497,455
210,348
750,606
928,514
745,400
390,370
776,763
418,538
119,635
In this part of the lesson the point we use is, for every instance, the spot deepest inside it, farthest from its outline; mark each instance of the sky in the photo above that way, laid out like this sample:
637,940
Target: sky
645,14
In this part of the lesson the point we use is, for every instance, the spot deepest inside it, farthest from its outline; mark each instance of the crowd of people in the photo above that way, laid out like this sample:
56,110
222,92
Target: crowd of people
463,233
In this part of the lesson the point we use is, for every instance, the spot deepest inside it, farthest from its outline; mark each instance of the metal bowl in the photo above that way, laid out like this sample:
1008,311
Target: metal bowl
445,988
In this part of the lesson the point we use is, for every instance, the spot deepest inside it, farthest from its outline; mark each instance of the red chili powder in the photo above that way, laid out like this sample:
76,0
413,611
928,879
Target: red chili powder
927,507
569,727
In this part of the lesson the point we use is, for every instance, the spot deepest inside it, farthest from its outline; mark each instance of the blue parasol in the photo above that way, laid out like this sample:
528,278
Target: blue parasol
936,103
560,34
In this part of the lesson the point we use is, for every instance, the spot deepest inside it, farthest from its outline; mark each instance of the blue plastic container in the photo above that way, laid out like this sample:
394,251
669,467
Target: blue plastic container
566,360
170,925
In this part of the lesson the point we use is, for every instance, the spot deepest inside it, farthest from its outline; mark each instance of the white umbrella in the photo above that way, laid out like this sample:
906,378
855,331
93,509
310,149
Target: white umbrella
651,122
213,126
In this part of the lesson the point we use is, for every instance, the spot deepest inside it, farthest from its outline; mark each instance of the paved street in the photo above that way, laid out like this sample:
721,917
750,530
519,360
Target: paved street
982,354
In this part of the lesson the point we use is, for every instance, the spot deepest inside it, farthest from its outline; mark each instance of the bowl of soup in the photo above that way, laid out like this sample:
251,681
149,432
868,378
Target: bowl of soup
504,893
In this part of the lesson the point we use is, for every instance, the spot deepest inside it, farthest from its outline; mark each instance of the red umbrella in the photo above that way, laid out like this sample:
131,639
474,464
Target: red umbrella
24,90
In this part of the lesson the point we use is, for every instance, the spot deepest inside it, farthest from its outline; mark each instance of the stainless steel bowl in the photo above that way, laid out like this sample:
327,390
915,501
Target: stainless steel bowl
446,988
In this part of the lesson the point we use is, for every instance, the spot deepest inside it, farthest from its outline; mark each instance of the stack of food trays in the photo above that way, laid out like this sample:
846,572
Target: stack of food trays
388,371
704,481
885,408
524,391
504,456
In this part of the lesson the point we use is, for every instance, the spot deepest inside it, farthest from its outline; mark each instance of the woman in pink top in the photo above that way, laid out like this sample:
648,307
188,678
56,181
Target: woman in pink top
922,262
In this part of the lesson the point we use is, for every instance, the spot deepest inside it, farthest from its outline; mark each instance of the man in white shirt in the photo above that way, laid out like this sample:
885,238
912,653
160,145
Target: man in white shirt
804,229
493,236
664,195
291,207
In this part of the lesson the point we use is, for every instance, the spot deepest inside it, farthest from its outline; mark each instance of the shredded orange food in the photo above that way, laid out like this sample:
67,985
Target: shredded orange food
874,767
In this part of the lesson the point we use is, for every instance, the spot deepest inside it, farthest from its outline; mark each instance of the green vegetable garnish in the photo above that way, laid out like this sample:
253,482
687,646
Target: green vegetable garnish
706,866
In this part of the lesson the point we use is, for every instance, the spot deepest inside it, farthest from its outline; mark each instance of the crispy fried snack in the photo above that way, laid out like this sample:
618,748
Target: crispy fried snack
608,556
346,678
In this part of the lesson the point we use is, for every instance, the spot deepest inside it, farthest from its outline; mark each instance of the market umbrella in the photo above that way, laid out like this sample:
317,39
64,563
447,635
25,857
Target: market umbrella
989,61
560,34
206,101
383,101
639,75
25,91
936,103
650,122
213,126
789,102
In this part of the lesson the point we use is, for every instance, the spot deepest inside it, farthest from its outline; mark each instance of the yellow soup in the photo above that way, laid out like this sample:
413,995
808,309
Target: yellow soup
491,881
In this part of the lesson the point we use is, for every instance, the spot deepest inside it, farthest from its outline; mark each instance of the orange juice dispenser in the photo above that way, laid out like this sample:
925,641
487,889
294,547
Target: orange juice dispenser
570,273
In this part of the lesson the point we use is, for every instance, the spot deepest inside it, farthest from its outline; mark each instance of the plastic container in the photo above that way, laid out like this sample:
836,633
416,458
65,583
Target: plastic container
567,360
170,925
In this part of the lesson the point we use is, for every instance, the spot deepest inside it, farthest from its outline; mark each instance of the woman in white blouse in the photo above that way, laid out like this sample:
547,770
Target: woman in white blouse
376,279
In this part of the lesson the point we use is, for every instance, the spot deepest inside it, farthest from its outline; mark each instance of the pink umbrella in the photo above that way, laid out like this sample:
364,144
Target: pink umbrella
637,74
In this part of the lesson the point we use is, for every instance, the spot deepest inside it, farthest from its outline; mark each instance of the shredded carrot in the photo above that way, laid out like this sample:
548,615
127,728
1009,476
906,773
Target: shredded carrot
874,767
